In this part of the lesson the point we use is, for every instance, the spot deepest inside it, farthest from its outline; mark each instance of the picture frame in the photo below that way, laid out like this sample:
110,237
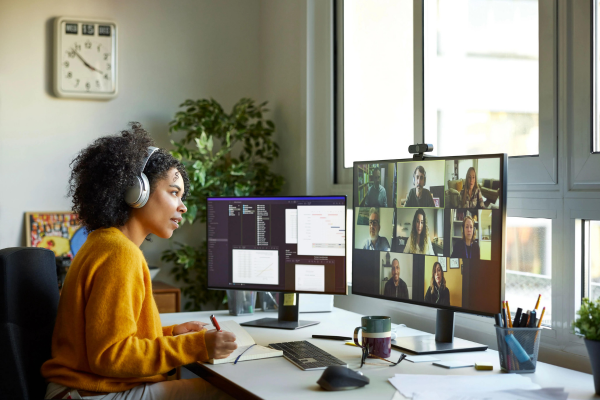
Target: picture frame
442,261
58,231
454,263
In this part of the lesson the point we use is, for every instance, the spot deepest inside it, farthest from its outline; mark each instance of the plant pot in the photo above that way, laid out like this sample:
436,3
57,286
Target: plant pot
593,348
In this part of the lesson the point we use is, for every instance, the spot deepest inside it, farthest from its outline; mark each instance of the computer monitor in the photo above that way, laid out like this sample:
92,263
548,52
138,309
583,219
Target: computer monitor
278,244
430,231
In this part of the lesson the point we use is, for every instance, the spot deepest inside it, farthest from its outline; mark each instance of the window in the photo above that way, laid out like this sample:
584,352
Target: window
378,79
482,76
591,260
529,264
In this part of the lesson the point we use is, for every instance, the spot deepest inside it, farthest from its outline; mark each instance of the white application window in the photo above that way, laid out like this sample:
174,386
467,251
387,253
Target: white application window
310,278
291,226
321,230
255,266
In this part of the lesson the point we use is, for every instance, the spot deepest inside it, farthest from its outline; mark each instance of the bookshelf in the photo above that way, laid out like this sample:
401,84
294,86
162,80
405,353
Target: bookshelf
364,172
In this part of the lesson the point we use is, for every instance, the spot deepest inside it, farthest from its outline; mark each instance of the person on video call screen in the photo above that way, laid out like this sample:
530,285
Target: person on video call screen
418,196
466,247
396,287
418,242
376,196
470,195
375,242
437,292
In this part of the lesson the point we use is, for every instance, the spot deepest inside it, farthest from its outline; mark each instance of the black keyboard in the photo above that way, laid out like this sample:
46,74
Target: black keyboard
307,356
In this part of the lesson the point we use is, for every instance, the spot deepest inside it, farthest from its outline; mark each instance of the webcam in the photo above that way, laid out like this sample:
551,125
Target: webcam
420,148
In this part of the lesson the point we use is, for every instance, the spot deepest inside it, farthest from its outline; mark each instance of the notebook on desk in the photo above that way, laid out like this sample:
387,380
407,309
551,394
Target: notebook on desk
244,341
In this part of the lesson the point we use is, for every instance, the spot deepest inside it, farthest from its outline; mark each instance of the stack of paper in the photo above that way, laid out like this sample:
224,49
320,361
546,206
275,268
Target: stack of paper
457,387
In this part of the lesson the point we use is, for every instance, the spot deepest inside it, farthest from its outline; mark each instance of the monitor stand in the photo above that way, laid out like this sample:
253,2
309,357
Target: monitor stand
288,316
442,342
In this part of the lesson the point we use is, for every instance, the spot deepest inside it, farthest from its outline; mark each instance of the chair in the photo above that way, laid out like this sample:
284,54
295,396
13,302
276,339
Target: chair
28,305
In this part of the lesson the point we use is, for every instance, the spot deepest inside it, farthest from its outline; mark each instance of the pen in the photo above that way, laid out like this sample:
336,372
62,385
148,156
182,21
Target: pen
331,337
504,315
508,316
532,322
541,316
524,319
517,321
213,319
498,318
538,302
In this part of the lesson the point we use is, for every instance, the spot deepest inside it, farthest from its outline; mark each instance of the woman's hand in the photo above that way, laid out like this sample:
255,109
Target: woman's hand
219,344
188,327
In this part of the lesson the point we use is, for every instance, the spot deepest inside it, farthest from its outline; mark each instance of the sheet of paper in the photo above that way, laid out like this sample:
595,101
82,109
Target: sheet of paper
310,278
409,385
420,359
541,394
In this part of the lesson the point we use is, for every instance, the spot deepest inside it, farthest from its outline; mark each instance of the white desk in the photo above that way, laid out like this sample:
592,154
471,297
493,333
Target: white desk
277,378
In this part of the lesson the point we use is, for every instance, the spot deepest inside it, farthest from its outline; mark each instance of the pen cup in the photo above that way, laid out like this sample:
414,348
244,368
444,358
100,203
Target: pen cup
268,301
518,349
241,302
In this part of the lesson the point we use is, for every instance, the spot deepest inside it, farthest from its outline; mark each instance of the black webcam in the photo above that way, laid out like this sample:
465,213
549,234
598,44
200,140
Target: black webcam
420,148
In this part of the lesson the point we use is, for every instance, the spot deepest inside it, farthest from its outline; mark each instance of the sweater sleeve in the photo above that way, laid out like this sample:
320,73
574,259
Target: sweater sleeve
113,308
168,330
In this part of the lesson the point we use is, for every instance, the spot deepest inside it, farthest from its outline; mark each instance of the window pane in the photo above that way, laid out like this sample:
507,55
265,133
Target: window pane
378,80
529,264
593,274
481,76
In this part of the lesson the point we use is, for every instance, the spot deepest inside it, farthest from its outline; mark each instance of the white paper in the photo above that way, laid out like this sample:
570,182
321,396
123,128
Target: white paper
410,385
420,359
541,394
310,278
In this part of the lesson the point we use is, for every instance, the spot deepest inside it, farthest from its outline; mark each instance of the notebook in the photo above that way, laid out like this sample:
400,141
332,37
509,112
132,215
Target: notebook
244,341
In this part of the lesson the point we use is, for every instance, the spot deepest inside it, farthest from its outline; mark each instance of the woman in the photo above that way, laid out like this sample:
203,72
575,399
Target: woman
108,341
437,292
470,195
466,247
418,241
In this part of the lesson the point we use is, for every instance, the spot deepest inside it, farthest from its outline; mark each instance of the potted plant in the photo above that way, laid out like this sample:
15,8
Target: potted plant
588,326
225,154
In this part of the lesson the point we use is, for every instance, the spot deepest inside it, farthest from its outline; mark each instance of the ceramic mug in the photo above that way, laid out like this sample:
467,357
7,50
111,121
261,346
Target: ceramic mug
377,332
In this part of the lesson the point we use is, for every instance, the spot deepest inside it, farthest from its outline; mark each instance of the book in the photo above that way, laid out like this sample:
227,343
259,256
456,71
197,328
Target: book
244,341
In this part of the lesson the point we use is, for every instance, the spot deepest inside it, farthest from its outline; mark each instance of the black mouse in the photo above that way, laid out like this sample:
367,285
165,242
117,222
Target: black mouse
341,378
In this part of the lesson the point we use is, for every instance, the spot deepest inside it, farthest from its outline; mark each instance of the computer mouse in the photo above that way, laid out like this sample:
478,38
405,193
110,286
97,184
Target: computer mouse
341,378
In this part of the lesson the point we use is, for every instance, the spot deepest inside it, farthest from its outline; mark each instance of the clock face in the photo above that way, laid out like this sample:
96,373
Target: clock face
85,59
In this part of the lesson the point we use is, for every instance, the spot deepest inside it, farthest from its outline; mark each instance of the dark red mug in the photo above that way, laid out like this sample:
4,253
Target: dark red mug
377,333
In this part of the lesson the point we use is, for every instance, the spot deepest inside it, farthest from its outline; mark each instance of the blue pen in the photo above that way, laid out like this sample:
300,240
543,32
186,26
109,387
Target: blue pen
238,357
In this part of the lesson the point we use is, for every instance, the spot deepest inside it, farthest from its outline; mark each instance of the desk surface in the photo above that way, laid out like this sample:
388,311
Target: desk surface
277,378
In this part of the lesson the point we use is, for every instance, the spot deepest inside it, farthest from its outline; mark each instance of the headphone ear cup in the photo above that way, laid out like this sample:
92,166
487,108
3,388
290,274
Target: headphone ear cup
136,196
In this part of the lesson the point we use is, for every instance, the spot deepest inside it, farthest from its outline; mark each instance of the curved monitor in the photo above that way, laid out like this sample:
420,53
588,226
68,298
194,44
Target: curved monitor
431,232
277,244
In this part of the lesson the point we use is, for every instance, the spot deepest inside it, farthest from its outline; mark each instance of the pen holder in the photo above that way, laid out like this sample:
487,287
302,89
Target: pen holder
518,348
241,302
268,301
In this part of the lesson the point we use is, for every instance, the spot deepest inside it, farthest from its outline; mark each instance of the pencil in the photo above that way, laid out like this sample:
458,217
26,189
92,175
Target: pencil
541,316
538,302
509,318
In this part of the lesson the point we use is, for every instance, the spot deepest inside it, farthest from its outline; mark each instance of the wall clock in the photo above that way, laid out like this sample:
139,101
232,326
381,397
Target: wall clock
85,58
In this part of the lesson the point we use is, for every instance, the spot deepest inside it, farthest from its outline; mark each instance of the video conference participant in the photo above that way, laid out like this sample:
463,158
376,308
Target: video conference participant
437,292
375,242
376,196
396,287
108,341
470,195
418,242
466,247
418,196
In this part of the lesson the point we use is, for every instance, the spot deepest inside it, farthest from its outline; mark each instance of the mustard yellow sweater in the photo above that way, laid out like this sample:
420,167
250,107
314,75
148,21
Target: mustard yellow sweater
108,336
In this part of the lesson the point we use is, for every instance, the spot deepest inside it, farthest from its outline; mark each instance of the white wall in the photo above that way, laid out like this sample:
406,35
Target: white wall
169,50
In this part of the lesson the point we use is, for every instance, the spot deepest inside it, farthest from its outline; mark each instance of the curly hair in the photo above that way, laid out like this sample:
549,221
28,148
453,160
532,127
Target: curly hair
102,172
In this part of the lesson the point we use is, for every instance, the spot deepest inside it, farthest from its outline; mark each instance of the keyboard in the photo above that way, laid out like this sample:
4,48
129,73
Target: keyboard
307,356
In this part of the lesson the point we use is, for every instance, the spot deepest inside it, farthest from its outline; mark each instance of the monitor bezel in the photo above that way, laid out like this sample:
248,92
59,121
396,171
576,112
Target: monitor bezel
503,157
249,287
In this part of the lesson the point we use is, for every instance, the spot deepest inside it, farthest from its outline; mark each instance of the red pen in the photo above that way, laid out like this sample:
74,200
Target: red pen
213,319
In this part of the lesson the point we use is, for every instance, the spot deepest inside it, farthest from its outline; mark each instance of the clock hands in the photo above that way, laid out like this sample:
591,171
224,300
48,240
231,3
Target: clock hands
85,63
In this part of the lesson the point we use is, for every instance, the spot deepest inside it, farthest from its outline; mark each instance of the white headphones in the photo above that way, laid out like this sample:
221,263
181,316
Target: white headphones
137,195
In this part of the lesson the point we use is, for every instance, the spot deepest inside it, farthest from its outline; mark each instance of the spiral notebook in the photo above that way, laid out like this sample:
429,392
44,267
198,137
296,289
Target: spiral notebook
244,341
